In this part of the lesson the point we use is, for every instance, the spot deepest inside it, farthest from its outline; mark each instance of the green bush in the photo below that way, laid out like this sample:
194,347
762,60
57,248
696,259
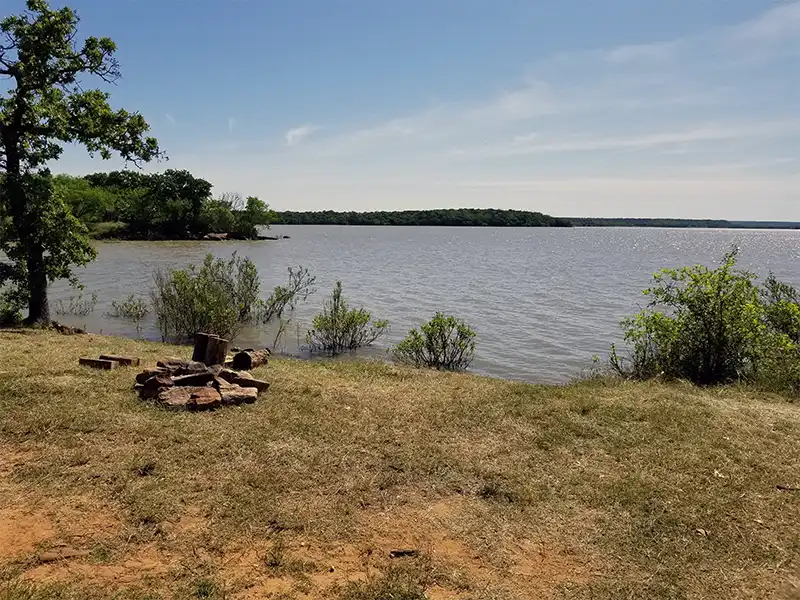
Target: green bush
283,300
713,326
218,298
445,343
131,309
75,305
338,328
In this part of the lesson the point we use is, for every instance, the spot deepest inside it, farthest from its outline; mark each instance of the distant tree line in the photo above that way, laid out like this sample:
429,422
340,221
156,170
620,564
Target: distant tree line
678,223
172,204
631,222
474,217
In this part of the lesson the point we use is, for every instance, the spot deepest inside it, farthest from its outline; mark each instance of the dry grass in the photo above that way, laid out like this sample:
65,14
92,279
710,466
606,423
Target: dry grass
595,490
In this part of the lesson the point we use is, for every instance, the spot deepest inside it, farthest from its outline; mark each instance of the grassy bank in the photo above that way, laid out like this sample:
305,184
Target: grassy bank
596,490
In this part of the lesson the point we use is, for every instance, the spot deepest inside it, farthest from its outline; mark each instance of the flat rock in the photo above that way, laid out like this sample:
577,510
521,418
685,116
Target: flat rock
258,384
148,373
194,379
173,364
239,395
191,368
155,385
206,398
221,384
178,398
228,375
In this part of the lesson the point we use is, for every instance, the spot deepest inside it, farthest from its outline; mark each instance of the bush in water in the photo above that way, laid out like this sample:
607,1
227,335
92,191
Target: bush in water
338,328
713,326
218,298
445,343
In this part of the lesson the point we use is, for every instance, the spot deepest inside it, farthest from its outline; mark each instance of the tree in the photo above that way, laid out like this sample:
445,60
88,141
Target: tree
45,107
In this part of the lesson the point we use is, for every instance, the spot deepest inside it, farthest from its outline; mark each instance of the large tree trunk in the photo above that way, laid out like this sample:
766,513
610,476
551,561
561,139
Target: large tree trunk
38,304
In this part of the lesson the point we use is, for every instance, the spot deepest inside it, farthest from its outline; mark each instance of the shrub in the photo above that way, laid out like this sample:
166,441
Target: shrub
218,298
131,309
712,326
338,328
445,343
285,298
75,305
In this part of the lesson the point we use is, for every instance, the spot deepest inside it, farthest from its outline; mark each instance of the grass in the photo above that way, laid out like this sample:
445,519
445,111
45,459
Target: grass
599,489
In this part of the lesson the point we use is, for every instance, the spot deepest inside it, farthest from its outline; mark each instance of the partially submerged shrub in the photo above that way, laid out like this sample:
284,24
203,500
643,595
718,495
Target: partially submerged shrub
713,326
445,343
284,299
79,305
339,328
133,308
218,298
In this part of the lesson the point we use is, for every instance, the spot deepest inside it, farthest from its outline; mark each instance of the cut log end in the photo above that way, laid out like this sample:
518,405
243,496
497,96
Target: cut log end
250,359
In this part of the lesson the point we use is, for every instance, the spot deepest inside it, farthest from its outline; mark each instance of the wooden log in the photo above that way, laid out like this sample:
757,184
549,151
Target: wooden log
98,363
125,361
250,359
200,346
216,351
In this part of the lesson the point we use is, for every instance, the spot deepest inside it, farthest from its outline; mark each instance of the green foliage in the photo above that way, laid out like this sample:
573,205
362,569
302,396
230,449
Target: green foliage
254,215
44,106
87,203
445,343
782,307
469,217
217,216
339,328
11,306
218,298
79,305
172,204
132,309
712,326
301,285
284,299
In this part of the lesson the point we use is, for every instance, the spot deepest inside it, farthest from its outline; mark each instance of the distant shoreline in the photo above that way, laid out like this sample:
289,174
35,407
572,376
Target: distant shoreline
474,217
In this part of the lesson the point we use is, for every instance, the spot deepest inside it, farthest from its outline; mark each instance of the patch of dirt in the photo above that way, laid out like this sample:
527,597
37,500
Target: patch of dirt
143,563
28,524
22,531
536,568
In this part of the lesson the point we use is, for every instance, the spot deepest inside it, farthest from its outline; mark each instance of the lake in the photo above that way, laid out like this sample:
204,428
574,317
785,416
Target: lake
543,301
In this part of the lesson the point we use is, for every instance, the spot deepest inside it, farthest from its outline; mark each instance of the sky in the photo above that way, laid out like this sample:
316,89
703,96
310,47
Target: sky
640,108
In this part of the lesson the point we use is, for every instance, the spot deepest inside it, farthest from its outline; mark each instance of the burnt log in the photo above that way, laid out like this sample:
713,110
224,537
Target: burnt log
98,363
216,351
125,361
200,346
250,359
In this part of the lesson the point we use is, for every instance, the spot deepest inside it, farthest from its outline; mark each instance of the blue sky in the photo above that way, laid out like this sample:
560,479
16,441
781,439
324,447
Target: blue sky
681,108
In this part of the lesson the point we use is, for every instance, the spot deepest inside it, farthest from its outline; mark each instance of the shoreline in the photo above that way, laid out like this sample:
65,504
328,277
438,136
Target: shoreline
347,474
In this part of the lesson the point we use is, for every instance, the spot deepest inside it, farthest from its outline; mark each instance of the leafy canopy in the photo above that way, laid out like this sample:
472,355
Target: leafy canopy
444,343
44,107
713,326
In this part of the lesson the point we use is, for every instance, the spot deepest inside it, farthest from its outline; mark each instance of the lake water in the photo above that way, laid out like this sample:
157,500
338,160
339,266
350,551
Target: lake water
543,301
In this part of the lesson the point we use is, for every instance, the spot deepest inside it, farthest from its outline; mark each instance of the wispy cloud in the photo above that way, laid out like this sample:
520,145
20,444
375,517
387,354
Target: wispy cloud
231,124
776,24
694,109
598,87
170,119
534,144
298,134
